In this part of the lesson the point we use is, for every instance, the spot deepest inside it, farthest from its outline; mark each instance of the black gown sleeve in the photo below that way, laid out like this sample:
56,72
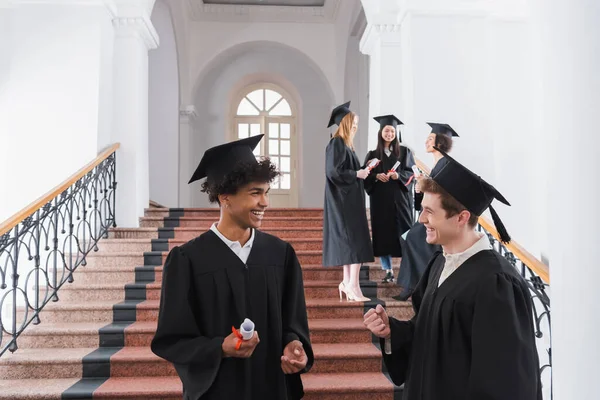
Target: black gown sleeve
371,180
295,318
178,338
503,342
402,333
335,158
405,171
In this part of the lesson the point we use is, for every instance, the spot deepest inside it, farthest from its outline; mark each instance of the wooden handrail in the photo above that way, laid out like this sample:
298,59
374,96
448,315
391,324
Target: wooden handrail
10,223
519,251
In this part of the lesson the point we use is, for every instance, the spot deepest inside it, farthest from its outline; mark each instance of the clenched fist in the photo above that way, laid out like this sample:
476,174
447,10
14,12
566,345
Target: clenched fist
377,321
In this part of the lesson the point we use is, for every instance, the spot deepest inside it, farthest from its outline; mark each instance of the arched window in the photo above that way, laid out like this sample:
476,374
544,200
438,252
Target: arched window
266,109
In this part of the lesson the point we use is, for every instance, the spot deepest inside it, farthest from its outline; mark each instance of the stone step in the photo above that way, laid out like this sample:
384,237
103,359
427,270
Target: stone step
133,259
191,233
60,335
289,233
330,330
331,386
215,212
40,363
340,357
34,389
148,310
133,233
206,222
106,246
95,275
151,291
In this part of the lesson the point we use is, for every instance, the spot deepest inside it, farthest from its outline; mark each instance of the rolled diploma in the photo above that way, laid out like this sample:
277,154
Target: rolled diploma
396,165
373,163
247,329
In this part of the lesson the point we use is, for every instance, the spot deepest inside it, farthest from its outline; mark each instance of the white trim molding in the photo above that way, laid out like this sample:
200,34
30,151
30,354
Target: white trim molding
188,113
199,11
139,26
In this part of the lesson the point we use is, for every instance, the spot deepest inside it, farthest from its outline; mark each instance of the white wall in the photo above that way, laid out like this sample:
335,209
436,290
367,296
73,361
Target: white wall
474,72
317,41
51,102
567,42
163,112
286,67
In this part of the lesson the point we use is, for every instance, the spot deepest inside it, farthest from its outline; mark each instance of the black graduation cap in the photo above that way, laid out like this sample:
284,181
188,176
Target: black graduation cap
385,120
338,114
219,160
470,190
444,129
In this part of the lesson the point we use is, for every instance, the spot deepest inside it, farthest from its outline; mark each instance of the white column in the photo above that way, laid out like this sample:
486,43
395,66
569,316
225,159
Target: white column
382,42
187,163
568,39
134,36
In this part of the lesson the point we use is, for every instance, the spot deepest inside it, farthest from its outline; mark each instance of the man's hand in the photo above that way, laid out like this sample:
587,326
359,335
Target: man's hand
377,321
294,358
246,349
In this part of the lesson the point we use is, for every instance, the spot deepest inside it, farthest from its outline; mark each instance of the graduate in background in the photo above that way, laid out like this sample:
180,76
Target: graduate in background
472,336
346,237
415,249
229,273
391,203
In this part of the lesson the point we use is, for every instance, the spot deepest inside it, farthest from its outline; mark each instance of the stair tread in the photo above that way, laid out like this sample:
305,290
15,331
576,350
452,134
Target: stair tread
34,388
295,228
64,328
45,356
266,218
346,382
316,324
313,383
321,351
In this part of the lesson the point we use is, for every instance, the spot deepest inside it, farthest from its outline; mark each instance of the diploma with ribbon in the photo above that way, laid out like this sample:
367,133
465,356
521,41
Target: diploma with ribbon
245,332
395,167
373,164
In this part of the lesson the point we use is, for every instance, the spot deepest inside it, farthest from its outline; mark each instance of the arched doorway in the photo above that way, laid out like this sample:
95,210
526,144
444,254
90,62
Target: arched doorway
267,108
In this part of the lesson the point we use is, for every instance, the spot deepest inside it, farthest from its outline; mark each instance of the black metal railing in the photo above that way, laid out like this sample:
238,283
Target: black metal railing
40,253
541,310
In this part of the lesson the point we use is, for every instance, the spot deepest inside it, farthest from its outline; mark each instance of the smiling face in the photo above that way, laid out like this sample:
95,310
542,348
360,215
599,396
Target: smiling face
247,206
388,134
429,143
441,229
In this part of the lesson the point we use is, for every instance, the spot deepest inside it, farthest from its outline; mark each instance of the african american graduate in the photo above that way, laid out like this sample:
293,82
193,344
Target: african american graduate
416,252
232,272
346,238
389,190
472,335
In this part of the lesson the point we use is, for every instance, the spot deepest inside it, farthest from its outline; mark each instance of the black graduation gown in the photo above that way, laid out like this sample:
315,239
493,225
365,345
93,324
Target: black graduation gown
206,290
416,252
470,339
391,204
346,237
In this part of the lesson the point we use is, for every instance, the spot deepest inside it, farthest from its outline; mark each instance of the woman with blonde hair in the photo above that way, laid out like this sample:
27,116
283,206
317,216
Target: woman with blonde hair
346,239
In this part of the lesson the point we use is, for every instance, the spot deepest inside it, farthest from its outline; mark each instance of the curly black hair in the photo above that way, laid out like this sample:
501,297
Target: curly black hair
244,173
443,142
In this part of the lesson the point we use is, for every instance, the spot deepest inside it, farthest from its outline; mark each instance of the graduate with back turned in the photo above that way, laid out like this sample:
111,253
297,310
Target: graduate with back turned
228,274
472,336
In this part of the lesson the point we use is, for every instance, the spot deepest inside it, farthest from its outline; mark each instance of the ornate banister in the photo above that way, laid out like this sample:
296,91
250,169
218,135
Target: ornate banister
47,240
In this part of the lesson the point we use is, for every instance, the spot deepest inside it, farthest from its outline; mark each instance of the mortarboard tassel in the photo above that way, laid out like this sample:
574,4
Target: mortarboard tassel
504,236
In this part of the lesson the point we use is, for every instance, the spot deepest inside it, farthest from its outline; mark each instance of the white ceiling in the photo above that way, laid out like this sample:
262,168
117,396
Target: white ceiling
289,3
